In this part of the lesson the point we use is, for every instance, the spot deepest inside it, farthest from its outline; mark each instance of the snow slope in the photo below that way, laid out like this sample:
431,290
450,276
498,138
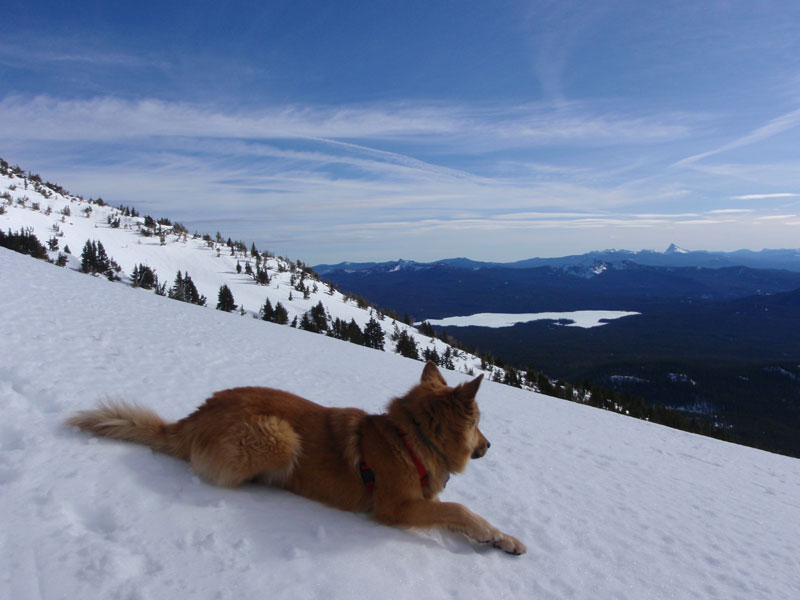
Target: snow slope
608,506
28,204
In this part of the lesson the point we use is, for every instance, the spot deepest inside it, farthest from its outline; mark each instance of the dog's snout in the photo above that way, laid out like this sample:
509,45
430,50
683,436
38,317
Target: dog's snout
488,444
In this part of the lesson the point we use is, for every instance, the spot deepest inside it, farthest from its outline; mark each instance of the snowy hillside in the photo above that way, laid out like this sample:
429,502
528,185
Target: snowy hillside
166,248
609,507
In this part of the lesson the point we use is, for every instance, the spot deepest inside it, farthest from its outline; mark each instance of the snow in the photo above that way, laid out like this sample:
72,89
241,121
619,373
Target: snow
210,265
579,318
608,506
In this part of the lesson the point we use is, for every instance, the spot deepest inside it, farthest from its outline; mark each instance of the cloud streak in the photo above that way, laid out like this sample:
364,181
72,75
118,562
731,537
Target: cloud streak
775,127
311,177
106,118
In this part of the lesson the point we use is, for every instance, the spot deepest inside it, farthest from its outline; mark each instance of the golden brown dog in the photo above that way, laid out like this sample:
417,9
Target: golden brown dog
394,464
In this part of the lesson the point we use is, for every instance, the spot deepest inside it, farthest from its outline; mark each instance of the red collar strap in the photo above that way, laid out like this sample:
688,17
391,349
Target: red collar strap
368,475
423,473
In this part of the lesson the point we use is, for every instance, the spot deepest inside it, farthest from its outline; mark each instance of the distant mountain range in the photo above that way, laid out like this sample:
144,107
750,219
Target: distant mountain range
447,289
716,332
593,263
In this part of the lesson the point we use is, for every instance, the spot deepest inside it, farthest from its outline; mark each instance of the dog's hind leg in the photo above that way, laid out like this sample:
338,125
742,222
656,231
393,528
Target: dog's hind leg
264,446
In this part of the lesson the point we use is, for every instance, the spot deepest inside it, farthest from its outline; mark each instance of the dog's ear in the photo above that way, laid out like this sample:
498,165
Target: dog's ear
431,374
468,391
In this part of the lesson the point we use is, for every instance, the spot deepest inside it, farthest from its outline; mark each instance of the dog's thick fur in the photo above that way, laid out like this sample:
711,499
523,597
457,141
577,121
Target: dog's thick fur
252,433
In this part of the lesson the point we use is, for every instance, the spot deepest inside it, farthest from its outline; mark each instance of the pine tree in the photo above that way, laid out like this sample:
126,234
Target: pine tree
373,335
430,354
426,329
144,277
267,312
447,359
192,294
353,333
319,318
89,257
94,260
184,290
178,289
225,299
281,315
407,345
24,242
511,377
307,323
338,330
103,262
262,276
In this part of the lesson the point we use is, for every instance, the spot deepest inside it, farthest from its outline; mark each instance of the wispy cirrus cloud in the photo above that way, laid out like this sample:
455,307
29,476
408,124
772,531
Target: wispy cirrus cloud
312,176
766,196
103,118
774,127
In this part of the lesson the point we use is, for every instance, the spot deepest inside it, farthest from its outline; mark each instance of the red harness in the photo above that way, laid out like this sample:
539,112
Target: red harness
368,475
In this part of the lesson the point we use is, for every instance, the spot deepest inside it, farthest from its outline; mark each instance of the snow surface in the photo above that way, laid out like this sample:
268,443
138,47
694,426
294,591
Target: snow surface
579,318
608,506
210,265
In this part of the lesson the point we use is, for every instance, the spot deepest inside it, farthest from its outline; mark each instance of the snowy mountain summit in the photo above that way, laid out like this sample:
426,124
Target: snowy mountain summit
673,249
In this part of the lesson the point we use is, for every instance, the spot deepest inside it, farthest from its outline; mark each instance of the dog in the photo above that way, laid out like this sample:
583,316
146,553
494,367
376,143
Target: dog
393,465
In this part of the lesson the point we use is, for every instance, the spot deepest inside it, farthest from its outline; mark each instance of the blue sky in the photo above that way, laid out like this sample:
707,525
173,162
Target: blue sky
422,130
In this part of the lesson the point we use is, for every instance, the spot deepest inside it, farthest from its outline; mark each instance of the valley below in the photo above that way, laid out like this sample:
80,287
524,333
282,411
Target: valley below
718,344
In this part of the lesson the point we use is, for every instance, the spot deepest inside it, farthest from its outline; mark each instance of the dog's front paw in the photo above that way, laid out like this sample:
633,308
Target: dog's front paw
510,544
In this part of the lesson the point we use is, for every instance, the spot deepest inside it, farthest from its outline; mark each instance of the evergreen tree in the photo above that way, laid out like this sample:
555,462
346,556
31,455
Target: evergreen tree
94,260
178,289
23,242
144,277
184,290
338,330
353,333
447,359
281,315
89,257
430,354
426,329
407,345
103,262
511,377
191,292
319,318
267,312
373,335
306,323
225,299
262,276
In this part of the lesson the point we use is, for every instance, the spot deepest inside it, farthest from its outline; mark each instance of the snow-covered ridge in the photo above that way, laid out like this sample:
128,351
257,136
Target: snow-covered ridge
62,221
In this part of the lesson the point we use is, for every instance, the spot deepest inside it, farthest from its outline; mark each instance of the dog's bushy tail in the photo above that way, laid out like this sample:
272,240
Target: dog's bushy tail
123,421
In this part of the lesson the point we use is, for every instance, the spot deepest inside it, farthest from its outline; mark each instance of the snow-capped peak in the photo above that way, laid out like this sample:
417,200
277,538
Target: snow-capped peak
675,249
